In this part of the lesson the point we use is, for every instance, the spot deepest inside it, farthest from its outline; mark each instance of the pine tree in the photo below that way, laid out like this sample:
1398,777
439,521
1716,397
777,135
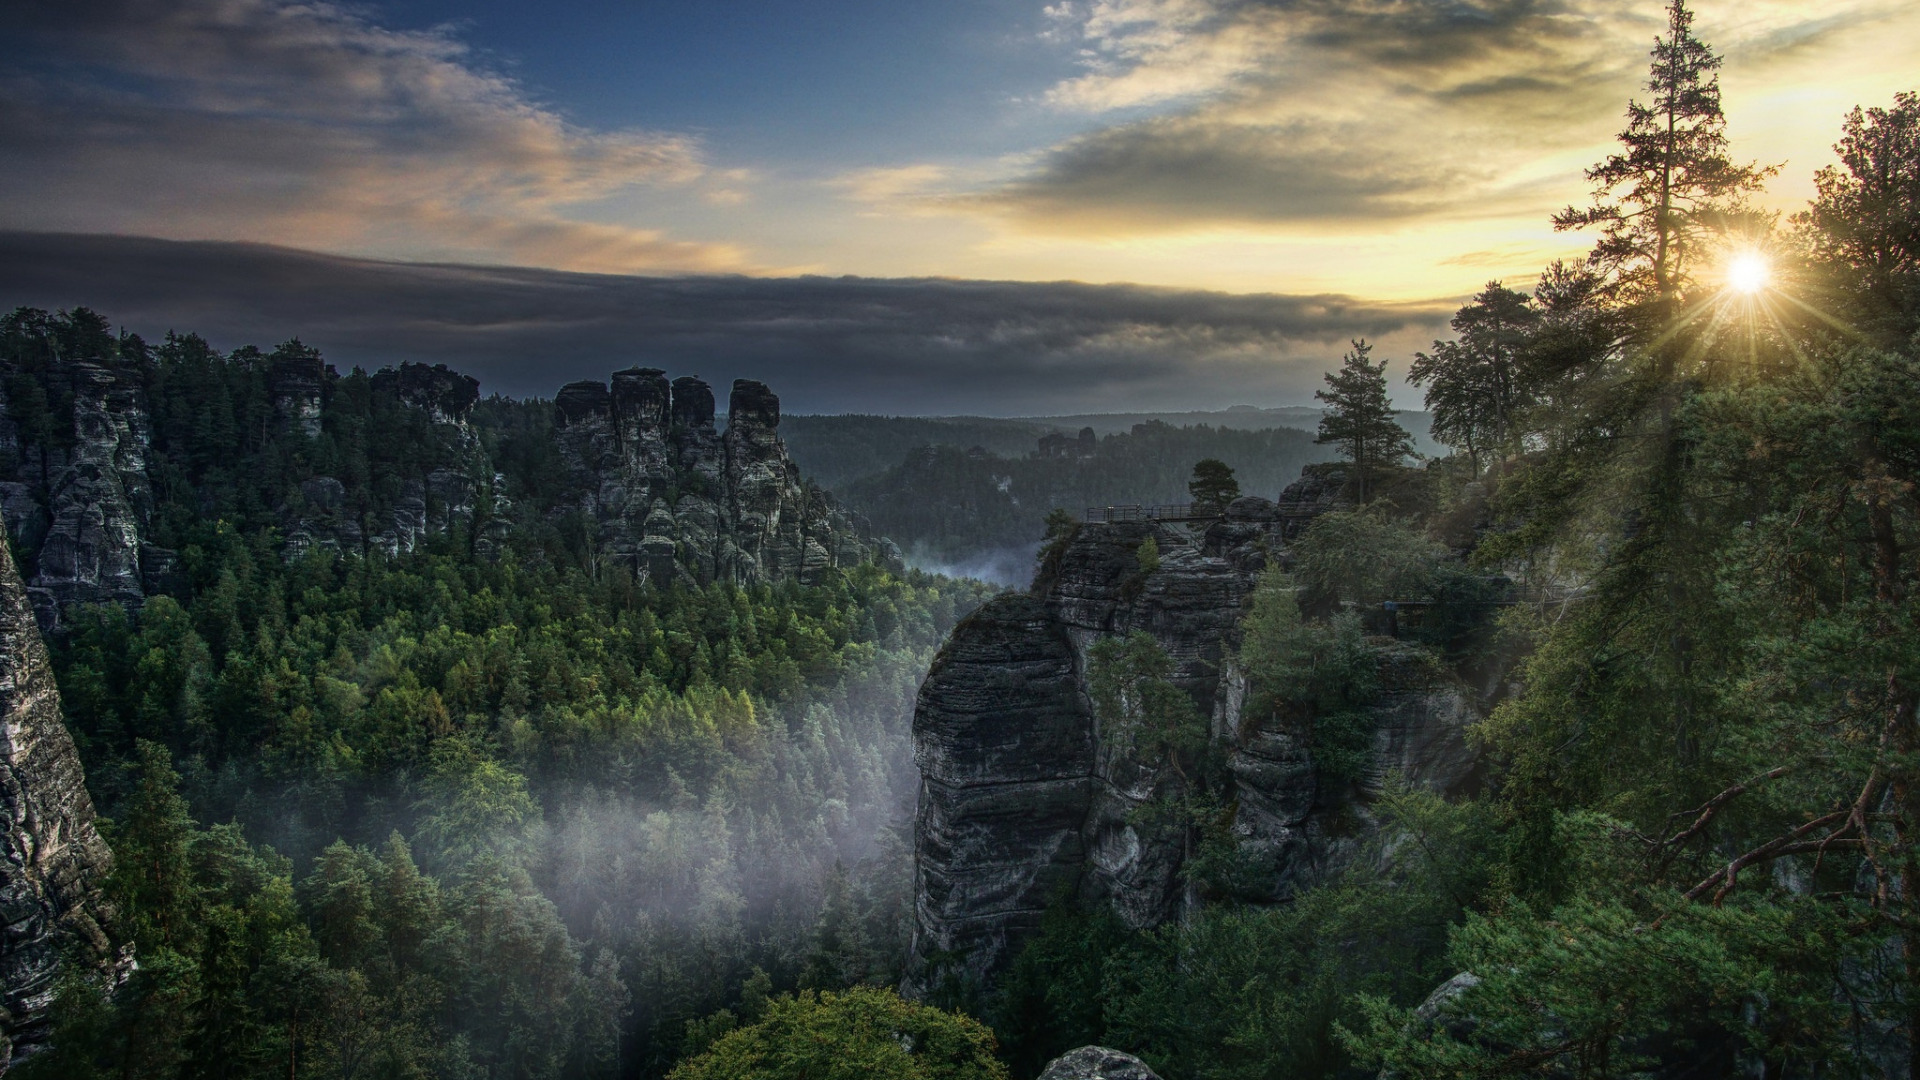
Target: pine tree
1475,384
1659,202
153,879
1360,417
1213,485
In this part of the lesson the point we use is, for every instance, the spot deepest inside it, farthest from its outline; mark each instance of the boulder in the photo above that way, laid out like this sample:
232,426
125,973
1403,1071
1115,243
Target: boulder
1252,508
1439,1010
1097,1063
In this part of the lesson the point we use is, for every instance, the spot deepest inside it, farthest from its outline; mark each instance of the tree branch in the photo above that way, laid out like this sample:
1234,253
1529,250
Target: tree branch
1772,849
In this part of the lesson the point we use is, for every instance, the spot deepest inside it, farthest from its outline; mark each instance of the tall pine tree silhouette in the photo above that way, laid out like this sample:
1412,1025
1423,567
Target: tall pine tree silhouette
1660,201
1360,418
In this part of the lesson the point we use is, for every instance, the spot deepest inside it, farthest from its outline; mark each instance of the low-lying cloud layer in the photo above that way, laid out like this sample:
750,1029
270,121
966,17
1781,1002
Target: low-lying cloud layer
310,124
905,346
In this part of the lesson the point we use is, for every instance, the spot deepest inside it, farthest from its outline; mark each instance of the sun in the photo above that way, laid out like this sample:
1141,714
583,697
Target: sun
1748,273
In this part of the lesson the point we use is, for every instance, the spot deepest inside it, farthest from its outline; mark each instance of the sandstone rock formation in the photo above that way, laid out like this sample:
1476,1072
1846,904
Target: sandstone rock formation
443,395
1321,487
672,499
1097,1063
433,492
1439,1006
75,491
52,862
1024,800
298,384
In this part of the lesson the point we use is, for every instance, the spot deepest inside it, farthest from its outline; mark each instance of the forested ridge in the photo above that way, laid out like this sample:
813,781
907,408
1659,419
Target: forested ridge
837,450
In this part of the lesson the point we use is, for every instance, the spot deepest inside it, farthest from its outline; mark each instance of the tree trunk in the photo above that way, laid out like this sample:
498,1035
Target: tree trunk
1889,593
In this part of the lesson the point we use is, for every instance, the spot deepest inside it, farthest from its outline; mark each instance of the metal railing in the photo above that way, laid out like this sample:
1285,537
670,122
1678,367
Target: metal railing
1106,515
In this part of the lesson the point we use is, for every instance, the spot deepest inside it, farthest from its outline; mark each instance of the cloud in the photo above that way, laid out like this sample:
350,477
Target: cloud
908,346
308,124
892,186
1183,172
1377,114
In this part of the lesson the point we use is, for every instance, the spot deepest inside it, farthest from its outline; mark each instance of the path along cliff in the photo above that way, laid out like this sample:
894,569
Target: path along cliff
1025,801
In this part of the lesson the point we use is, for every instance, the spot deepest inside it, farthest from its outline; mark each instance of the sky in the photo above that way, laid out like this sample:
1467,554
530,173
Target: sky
1244,184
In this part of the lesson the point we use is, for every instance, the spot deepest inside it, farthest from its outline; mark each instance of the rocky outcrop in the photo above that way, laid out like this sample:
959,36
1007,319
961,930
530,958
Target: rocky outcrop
1440,1009
674,500
1024,800
1004,742
297,384
1097,1063
443,395
52,862
75,491
1322,487
435,492
670,497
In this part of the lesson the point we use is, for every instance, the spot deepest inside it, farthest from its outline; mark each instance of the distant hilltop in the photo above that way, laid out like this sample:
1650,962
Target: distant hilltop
1242,417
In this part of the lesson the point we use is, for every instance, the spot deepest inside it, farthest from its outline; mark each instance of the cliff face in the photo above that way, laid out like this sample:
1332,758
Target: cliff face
1024,799
76,491
672,499
52,862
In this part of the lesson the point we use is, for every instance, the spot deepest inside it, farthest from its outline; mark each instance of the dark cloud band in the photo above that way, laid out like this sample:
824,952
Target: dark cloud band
845,344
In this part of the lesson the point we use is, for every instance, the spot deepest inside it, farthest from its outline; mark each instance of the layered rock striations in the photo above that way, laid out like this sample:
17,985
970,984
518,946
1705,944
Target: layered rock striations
672,499
52,861
74,488
1005,745
1025,801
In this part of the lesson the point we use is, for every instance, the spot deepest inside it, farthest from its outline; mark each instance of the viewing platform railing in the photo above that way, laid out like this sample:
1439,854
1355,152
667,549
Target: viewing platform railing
1106,515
